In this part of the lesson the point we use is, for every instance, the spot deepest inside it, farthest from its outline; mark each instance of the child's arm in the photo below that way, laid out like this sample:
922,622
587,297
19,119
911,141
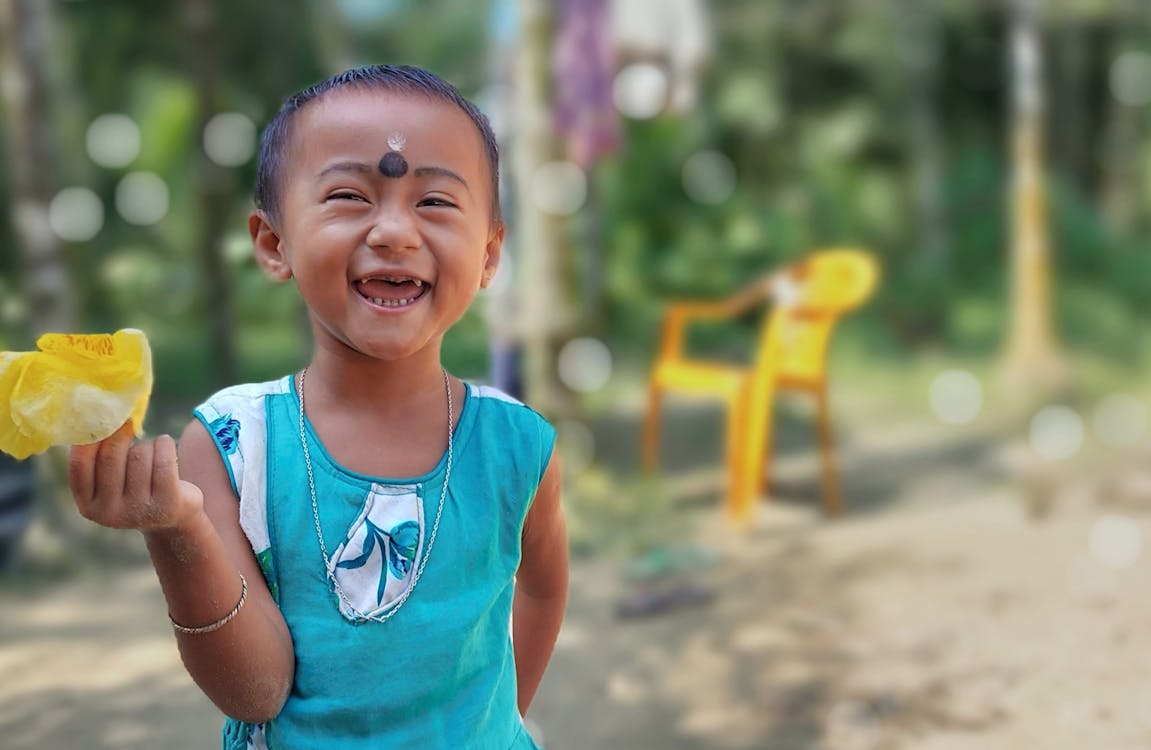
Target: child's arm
189,516
541,585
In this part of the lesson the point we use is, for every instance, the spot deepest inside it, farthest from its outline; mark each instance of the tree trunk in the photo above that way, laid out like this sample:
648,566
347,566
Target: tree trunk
543,302
213,197
1123,133
1071,105
25,56
1031,356
28,54
922,47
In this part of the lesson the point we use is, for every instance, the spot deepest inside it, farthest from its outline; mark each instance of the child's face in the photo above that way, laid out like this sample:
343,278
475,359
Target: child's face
385,220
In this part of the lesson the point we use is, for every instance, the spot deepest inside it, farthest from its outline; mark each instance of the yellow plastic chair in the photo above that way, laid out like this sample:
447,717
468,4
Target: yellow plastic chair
806,301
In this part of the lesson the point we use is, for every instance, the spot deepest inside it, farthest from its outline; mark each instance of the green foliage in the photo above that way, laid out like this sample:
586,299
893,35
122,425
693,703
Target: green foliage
814,103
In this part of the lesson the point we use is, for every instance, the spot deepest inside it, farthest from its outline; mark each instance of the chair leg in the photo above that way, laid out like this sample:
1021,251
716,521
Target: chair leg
741,493
756,417
832,497
651,427
760,445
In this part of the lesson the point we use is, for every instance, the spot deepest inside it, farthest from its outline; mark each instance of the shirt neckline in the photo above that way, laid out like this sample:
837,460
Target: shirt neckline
320,455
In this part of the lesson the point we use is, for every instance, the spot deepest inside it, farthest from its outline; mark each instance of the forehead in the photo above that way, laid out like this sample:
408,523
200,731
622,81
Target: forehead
356,122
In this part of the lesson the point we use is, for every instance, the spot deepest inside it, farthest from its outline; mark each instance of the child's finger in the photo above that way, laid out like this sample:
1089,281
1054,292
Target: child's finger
165,476
138,476
111,459
81,473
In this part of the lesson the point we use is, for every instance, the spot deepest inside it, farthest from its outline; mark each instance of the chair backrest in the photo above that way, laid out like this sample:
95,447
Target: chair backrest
816,293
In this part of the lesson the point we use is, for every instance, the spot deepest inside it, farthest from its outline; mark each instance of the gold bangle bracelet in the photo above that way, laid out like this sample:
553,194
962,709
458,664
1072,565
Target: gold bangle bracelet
218,623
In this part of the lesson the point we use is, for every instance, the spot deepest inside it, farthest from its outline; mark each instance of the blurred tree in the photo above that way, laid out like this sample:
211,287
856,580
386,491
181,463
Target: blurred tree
1072,102
1123,126
1031,354
837,118
215,193
27,47
544,311
921,51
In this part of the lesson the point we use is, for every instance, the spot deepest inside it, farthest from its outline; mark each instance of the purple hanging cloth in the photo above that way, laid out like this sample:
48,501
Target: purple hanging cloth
583,67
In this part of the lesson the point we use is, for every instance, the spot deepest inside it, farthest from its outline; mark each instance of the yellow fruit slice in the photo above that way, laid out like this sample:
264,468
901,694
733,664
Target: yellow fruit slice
78,388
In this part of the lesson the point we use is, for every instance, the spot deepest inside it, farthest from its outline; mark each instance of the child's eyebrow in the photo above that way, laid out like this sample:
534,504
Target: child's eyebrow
441,172
346,166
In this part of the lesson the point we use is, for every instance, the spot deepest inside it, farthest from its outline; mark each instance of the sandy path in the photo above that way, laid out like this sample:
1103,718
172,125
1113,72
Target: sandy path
936,616
954,627
92,664
965,627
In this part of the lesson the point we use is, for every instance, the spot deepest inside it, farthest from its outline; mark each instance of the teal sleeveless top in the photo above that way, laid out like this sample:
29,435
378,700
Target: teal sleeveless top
440,673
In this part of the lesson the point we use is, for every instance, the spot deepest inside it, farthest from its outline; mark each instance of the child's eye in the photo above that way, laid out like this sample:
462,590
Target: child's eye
345,195
434,201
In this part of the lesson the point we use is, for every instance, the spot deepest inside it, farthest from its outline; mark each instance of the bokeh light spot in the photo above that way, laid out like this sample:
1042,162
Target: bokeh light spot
640,91
1120,419
559,187
113,140
1116,541
956,397
708,177
230,139
1130,78
121,269
76,214
142,198
1056,433
13,309
585,364
237,248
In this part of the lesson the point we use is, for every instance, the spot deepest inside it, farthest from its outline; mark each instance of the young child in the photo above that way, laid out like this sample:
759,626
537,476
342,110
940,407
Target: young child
368,553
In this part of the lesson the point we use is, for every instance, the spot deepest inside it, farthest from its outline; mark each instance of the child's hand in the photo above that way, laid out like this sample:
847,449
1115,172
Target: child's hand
126,485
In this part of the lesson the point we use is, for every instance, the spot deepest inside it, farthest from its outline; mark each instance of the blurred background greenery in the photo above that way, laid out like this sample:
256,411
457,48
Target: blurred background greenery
651,151
784,127
685,149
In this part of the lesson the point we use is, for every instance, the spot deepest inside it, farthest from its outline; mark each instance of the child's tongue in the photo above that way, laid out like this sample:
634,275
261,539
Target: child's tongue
386,290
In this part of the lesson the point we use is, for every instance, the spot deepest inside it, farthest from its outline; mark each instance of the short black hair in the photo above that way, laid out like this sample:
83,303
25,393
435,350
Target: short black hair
403,78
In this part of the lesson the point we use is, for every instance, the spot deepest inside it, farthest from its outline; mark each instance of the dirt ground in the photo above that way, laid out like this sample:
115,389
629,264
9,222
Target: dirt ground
958,605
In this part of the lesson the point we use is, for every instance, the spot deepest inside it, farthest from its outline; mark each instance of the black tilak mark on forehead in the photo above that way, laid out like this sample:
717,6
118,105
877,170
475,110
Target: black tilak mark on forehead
393,165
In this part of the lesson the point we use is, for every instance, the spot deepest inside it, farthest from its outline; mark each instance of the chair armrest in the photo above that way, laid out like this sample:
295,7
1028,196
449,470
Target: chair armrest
680,313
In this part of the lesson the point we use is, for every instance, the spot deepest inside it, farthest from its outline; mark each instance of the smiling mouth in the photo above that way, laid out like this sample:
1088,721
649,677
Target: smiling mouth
392,291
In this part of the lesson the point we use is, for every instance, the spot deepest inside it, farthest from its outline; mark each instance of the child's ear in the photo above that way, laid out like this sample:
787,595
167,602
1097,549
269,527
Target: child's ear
492,251
269,250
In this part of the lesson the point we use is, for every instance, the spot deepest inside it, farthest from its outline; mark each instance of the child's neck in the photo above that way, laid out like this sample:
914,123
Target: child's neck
380,418
358,383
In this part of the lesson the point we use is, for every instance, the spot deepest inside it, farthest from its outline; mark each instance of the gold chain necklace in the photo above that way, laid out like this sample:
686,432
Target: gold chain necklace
316,511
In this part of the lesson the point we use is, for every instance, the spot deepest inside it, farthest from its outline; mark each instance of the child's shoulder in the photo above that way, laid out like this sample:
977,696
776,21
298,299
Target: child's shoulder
235,420
491,399
478,390
247,391
497,411
244,395
509,434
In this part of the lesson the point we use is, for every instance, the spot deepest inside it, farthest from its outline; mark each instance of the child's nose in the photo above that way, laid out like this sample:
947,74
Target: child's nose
394,228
